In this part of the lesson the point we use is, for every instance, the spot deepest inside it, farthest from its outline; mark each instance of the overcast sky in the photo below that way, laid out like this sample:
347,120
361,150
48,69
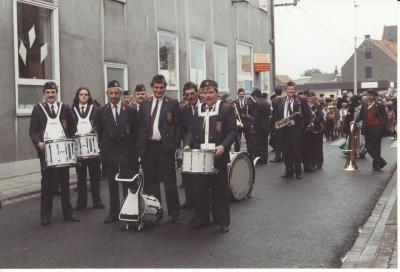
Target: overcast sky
320,33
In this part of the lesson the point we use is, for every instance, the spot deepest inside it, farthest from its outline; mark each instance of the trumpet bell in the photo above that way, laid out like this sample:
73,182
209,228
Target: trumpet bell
351,166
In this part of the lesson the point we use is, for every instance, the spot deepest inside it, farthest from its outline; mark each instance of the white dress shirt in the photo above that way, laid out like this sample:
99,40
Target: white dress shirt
156,132
288,102
118,109
84,108
55,105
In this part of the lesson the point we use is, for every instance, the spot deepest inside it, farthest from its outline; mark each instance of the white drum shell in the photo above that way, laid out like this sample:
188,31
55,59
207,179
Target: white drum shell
87,146
241,173
149,208
60,153
197,161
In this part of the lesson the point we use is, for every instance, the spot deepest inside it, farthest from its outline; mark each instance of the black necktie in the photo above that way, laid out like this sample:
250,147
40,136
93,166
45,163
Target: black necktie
116,114
289,107
82,110
53,113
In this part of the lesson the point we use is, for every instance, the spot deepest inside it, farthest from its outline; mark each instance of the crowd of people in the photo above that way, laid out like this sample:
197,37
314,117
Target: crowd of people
145,131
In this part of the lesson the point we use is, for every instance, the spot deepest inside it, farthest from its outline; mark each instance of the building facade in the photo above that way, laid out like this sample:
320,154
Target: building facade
87,43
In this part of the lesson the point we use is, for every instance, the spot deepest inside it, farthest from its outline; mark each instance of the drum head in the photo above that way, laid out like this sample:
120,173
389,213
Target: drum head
241,175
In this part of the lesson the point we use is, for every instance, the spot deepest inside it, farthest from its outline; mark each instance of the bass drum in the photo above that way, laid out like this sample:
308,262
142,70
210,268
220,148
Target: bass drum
241,175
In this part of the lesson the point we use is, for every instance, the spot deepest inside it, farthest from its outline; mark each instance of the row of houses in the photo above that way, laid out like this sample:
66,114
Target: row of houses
87,43
376,69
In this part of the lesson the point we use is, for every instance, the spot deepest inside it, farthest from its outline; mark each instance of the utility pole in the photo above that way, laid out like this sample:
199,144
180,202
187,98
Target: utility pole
355,47
272,40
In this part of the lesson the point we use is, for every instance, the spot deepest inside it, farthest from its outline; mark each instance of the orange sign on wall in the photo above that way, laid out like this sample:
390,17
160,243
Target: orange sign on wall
262,62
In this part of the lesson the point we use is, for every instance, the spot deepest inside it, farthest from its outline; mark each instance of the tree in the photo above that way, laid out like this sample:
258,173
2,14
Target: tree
312,71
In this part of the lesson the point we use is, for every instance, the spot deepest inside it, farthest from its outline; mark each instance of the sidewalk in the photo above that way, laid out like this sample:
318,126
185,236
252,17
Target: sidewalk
18,187
376,246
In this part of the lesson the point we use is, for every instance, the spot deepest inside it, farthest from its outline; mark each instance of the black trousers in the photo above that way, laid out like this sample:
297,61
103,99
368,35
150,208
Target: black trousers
261,147
216,185
51,178
314,154
275,142
94,173
373,139
188,185
125,171
159,165
291,149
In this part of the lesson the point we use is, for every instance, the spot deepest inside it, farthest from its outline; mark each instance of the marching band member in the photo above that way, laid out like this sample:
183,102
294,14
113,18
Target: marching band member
84,114
374,120
314,136
275,140
190,92
296,110
261,126
117,129
222,132
160,137
140,95
242,107
127,98
52,120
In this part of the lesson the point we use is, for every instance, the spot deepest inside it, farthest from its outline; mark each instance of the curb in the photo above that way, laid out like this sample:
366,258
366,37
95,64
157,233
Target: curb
365,248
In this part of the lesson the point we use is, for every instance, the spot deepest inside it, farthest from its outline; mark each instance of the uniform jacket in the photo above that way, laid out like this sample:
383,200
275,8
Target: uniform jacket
39,121
380,113
168,125
299,104
222,130
117,142
262,123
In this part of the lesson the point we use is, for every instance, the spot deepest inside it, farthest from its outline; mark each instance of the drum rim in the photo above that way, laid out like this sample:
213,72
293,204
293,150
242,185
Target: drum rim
59,141
231,163
198,150
85,135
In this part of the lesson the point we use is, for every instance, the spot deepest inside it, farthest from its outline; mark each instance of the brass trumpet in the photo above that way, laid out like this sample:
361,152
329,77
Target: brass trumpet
354,142
238,119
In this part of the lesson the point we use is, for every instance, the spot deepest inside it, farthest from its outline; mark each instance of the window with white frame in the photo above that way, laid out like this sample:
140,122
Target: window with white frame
265,82
263,4
244,62
116,71
36,49
168,59
221,67
197,61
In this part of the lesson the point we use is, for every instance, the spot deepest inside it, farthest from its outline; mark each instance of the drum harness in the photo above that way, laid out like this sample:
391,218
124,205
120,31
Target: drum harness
54,129
84,126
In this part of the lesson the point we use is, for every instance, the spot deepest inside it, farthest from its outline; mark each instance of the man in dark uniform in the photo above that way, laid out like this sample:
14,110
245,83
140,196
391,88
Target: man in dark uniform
190,92
140,95
161,134
314,155
261,126
243,109
50,176
127,98
297,109
222,132
275,140
117,128
374,117
81,106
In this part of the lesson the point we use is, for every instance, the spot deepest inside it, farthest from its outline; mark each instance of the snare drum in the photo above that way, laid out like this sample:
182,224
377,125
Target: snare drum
149,208
241,174
60,153
87,146
197,161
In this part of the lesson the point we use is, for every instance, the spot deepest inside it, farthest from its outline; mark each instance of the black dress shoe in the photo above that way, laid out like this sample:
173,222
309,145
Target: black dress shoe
287,176
176,220
382,165
71,218
45,222
298,177
198,225
110,219
99,206
224,228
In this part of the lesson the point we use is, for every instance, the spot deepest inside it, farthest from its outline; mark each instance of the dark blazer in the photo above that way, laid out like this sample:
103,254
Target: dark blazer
187,117
380,112
92,117
262,123
39,120
222,130
168,125
118,143
299,104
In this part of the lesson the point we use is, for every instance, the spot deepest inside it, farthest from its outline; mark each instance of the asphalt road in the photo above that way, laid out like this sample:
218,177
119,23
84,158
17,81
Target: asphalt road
288,224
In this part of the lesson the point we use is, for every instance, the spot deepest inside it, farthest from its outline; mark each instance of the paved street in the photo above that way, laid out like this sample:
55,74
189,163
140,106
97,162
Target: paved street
289,223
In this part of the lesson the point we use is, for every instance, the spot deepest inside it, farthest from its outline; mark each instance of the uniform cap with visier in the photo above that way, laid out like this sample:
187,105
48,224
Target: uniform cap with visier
209,82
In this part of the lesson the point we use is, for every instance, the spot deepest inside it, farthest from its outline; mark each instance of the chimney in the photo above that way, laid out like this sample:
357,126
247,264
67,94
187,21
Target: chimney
367,37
